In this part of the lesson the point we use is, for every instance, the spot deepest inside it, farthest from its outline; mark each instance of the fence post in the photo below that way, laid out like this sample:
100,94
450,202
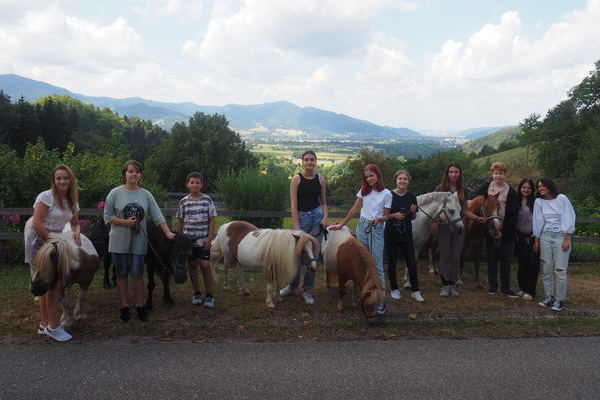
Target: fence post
2,252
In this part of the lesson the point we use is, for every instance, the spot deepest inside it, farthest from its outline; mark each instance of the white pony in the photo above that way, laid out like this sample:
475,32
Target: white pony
279,252
441,207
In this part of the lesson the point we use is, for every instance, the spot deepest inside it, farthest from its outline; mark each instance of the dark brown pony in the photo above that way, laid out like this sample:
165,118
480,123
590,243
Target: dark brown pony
346,256
487,207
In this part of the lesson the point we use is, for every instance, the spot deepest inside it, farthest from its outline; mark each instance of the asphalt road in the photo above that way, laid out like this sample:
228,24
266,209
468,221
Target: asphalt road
515,369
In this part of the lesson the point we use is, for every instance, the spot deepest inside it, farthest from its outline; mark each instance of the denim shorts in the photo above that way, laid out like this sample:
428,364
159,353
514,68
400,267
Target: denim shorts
123,266
310,220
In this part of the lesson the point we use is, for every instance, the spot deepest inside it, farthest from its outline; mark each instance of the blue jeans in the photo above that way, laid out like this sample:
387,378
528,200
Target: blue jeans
373,241
554,264
123,267
309,223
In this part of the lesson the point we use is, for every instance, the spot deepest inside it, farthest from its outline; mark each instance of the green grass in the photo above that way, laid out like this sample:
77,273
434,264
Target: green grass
473,314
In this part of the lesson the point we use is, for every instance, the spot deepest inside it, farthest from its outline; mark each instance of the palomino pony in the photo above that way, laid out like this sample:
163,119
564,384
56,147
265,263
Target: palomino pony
441,207
61,260
345,256
487,207
279,252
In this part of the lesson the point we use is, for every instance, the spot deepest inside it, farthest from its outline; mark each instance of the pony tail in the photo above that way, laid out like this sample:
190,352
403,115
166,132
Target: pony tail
215,249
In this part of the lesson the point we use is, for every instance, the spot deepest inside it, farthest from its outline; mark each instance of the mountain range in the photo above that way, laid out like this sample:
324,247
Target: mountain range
279,119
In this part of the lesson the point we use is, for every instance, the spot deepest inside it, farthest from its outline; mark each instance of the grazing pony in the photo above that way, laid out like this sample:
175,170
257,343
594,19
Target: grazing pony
441,207
61,261
166,258
487,207
279,252
345,256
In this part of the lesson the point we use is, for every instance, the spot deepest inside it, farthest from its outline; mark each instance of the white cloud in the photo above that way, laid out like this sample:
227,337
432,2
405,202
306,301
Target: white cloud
185,11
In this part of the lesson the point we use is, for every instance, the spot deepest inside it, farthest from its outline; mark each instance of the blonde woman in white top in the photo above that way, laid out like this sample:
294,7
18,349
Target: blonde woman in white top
52,209
553,225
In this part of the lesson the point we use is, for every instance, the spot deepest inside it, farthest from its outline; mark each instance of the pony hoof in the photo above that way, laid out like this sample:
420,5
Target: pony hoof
81,317
407,285
246,292
107,285
270,309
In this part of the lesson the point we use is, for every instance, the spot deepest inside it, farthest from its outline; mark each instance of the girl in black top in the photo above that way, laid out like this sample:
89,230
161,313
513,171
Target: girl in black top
529,261
309,213
398,234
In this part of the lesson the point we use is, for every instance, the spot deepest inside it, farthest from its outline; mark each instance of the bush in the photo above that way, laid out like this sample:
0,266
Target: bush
253,190
583,252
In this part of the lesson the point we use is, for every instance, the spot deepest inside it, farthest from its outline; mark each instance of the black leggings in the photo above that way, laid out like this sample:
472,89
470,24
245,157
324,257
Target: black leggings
529,264
408,250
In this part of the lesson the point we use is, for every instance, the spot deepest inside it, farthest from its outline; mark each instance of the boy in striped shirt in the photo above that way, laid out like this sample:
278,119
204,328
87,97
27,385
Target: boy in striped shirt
196,219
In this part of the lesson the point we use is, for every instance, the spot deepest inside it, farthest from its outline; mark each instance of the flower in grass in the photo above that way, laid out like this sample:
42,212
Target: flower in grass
101,205
84,224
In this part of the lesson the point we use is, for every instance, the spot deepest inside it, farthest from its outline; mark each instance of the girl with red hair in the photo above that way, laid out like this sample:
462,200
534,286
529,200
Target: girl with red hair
374,202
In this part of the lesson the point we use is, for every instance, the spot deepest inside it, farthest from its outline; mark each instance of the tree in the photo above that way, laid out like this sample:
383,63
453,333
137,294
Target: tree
206,144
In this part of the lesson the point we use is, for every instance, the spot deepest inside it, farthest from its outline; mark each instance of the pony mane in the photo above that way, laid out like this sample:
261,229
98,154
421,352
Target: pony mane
277,247
427,198
43,260
372,283
301,242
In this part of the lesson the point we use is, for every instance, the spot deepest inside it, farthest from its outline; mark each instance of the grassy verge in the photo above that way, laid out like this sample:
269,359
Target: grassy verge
473,314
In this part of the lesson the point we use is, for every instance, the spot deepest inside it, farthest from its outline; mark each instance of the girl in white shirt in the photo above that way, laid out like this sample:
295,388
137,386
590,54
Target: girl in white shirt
374,202
553,225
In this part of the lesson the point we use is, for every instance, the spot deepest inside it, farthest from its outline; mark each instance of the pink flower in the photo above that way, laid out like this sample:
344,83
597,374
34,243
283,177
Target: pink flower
7,247
84,224
101,205
14,219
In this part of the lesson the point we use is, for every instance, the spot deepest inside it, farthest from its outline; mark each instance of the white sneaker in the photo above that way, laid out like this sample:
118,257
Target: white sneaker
286,291
58,333
417,296
396,295
527,296
520,293
42,329
308,299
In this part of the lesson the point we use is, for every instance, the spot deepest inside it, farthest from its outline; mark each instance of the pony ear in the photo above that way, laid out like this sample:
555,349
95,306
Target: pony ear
497,195
296,235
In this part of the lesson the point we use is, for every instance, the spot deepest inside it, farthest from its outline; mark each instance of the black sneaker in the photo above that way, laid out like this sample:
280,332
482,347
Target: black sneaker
492,291
558,305
510,293
124,314
142,313
547,302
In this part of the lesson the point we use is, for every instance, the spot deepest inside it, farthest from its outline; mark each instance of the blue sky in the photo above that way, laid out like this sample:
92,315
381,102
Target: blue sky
429,65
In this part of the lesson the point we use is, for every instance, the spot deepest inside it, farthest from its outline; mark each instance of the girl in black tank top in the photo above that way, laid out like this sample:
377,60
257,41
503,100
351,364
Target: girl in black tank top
309,193
309,213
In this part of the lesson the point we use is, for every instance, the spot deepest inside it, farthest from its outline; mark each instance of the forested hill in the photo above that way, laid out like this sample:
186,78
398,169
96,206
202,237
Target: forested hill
500,137
277,117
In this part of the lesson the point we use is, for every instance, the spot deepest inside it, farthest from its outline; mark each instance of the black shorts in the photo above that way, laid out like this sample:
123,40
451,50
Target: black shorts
200,253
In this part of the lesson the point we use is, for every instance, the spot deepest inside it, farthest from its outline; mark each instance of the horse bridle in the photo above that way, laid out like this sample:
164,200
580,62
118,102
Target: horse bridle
449,221
483,214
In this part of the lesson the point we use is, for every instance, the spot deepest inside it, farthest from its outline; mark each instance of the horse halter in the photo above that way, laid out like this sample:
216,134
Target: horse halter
484,215
449,221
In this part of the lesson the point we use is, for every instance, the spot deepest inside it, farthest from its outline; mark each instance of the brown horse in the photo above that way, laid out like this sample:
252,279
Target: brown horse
345,256
487,207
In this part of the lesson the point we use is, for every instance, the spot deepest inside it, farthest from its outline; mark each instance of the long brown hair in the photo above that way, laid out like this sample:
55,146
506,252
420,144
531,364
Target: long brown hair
72,194
460,186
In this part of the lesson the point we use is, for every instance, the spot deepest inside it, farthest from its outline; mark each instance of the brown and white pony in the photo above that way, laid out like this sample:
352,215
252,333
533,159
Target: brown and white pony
61,261
280,253
487,207
347,257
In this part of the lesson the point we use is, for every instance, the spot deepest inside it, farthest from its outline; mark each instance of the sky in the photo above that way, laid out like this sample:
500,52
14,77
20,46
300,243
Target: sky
429,65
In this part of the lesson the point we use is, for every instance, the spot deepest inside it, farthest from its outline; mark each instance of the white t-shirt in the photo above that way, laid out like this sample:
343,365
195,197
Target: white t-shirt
374,203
